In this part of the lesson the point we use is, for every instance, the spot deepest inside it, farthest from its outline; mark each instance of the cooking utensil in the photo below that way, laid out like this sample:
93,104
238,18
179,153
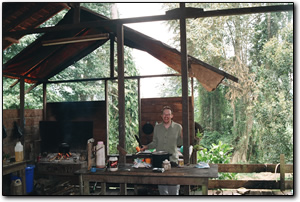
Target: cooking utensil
158,157
138,140
148,128
64,148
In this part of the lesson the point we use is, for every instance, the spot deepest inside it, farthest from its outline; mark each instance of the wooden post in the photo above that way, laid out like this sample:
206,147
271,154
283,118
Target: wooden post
76,14
112,54
22,104
103,188
106,120
123,189
121,92
139,107
282,173
44,101
184,80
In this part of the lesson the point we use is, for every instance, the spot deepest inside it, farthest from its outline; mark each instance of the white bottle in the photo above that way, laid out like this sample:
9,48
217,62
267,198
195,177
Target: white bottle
19,156
100,155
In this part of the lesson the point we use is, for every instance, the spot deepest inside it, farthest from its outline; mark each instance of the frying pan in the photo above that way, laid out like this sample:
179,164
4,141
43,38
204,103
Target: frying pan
147,128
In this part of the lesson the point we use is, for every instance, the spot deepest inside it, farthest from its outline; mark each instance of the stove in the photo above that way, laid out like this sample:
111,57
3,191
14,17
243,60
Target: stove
60,164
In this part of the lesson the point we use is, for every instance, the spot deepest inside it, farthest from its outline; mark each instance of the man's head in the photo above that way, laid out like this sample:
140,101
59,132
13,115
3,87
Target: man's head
166,114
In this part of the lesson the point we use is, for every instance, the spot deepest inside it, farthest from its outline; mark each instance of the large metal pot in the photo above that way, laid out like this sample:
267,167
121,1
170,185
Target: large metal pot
158,157
64,148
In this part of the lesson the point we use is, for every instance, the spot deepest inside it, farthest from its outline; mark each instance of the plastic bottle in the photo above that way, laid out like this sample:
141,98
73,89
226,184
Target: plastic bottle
19,156
16,187
100,155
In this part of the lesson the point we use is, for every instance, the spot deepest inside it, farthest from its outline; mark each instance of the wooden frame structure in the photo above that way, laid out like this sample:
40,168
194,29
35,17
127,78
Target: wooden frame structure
182,14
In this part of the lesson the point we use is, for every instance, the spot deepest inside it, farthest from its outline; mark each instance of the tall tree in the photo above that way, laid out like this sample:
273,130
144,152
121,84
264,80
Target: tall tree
227,42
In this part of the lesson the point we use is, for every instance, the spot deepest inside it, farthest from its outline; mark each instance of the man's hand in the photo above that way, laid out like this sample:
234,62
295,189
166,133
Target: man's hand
144,147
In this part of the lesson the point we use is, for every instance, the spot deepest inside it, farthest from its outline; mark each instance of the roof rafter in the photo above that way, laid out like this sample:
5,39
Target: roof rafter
170,15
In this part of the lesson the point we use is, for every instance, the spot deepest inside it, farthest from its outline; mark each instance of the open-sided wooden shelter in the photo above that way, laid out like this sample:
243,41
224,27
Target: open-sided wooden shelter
40,61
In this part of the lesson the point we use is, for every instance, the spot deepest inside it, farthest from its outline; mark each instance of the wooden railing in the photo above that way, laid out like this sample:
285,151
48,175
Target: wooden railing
281,184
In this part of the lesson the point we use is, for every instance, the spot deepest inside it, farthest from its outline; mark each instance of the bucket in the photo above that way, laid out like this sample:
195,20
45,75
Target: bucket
29,172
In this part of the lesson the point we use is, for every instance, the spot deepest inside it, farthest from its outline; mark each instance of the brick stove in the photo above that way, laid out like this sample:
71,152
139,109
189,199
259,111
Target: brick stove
53,134
61,166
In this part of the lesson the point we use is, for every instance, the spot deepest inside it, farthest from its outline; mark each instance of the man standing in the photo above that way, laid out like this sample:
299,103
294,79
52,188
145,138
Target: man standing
166,137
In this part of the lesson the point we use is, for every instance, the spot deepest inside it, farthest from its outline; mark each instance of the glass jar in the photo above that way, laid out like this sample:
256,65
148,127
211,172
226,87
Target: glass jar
113,163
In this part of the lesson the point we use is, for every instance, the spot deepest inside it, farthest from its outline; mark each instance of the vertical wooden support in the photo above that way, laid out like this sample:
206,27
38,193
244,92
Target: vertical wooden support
81,185
121,91
22,104
112,74
106,119
184,80
76,15
139,107
282,172
123,189
103,188
112,54
44,101
86,187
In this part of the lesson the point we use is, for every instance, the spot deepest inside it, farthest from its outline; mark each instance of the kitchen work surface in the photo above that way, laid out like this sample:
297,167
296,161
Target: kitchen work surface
9,168
186,175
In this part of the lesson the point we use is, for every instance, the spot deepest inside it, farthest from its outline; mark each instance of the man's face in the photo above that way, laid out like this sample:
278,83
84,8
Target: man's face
167,116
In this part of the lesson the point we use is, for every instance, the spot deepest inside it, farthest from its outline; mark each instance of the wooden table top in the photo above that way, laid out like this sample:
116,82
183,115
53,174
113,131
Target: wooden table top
186,171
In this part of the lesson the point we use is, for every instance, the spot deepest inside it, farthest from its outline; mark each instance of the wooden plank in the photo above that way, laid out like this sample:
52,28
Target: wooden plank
121,91
44,101
282,173
253,168
248,184
106,120
139,108
22,104
112,54
185,86
277,193
99,23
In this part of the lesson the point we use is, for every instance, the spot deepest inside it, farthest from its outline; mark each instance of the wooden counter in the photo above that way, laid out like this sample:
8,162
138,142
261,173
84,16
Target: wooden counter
187,175
16,167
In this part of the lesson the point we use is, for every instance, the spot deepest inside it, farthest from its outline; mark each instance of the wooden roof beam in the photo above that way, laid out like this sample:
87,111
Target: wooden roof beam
170,15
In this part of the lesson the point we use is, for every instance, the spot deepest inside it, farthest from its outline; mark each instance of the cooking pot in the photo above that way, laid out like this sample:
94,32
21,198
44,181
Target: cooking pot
158,157
64,148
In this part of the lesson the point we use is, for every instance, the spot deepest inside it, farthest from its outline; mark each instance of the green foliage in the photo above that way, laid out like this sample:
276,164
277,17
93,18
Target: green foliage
217,154
255,114
274,107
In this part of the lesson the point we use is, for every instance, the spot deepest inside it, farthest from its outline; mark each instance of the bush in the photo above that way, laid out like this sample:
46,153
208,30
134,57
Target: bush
217,154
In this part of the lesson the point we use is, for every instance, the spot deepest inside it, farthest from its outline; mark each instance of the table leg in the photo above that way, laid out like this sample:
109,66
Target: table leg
136,190
186,190
204,190
86,187
23,177
103,188
81,185
123,189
